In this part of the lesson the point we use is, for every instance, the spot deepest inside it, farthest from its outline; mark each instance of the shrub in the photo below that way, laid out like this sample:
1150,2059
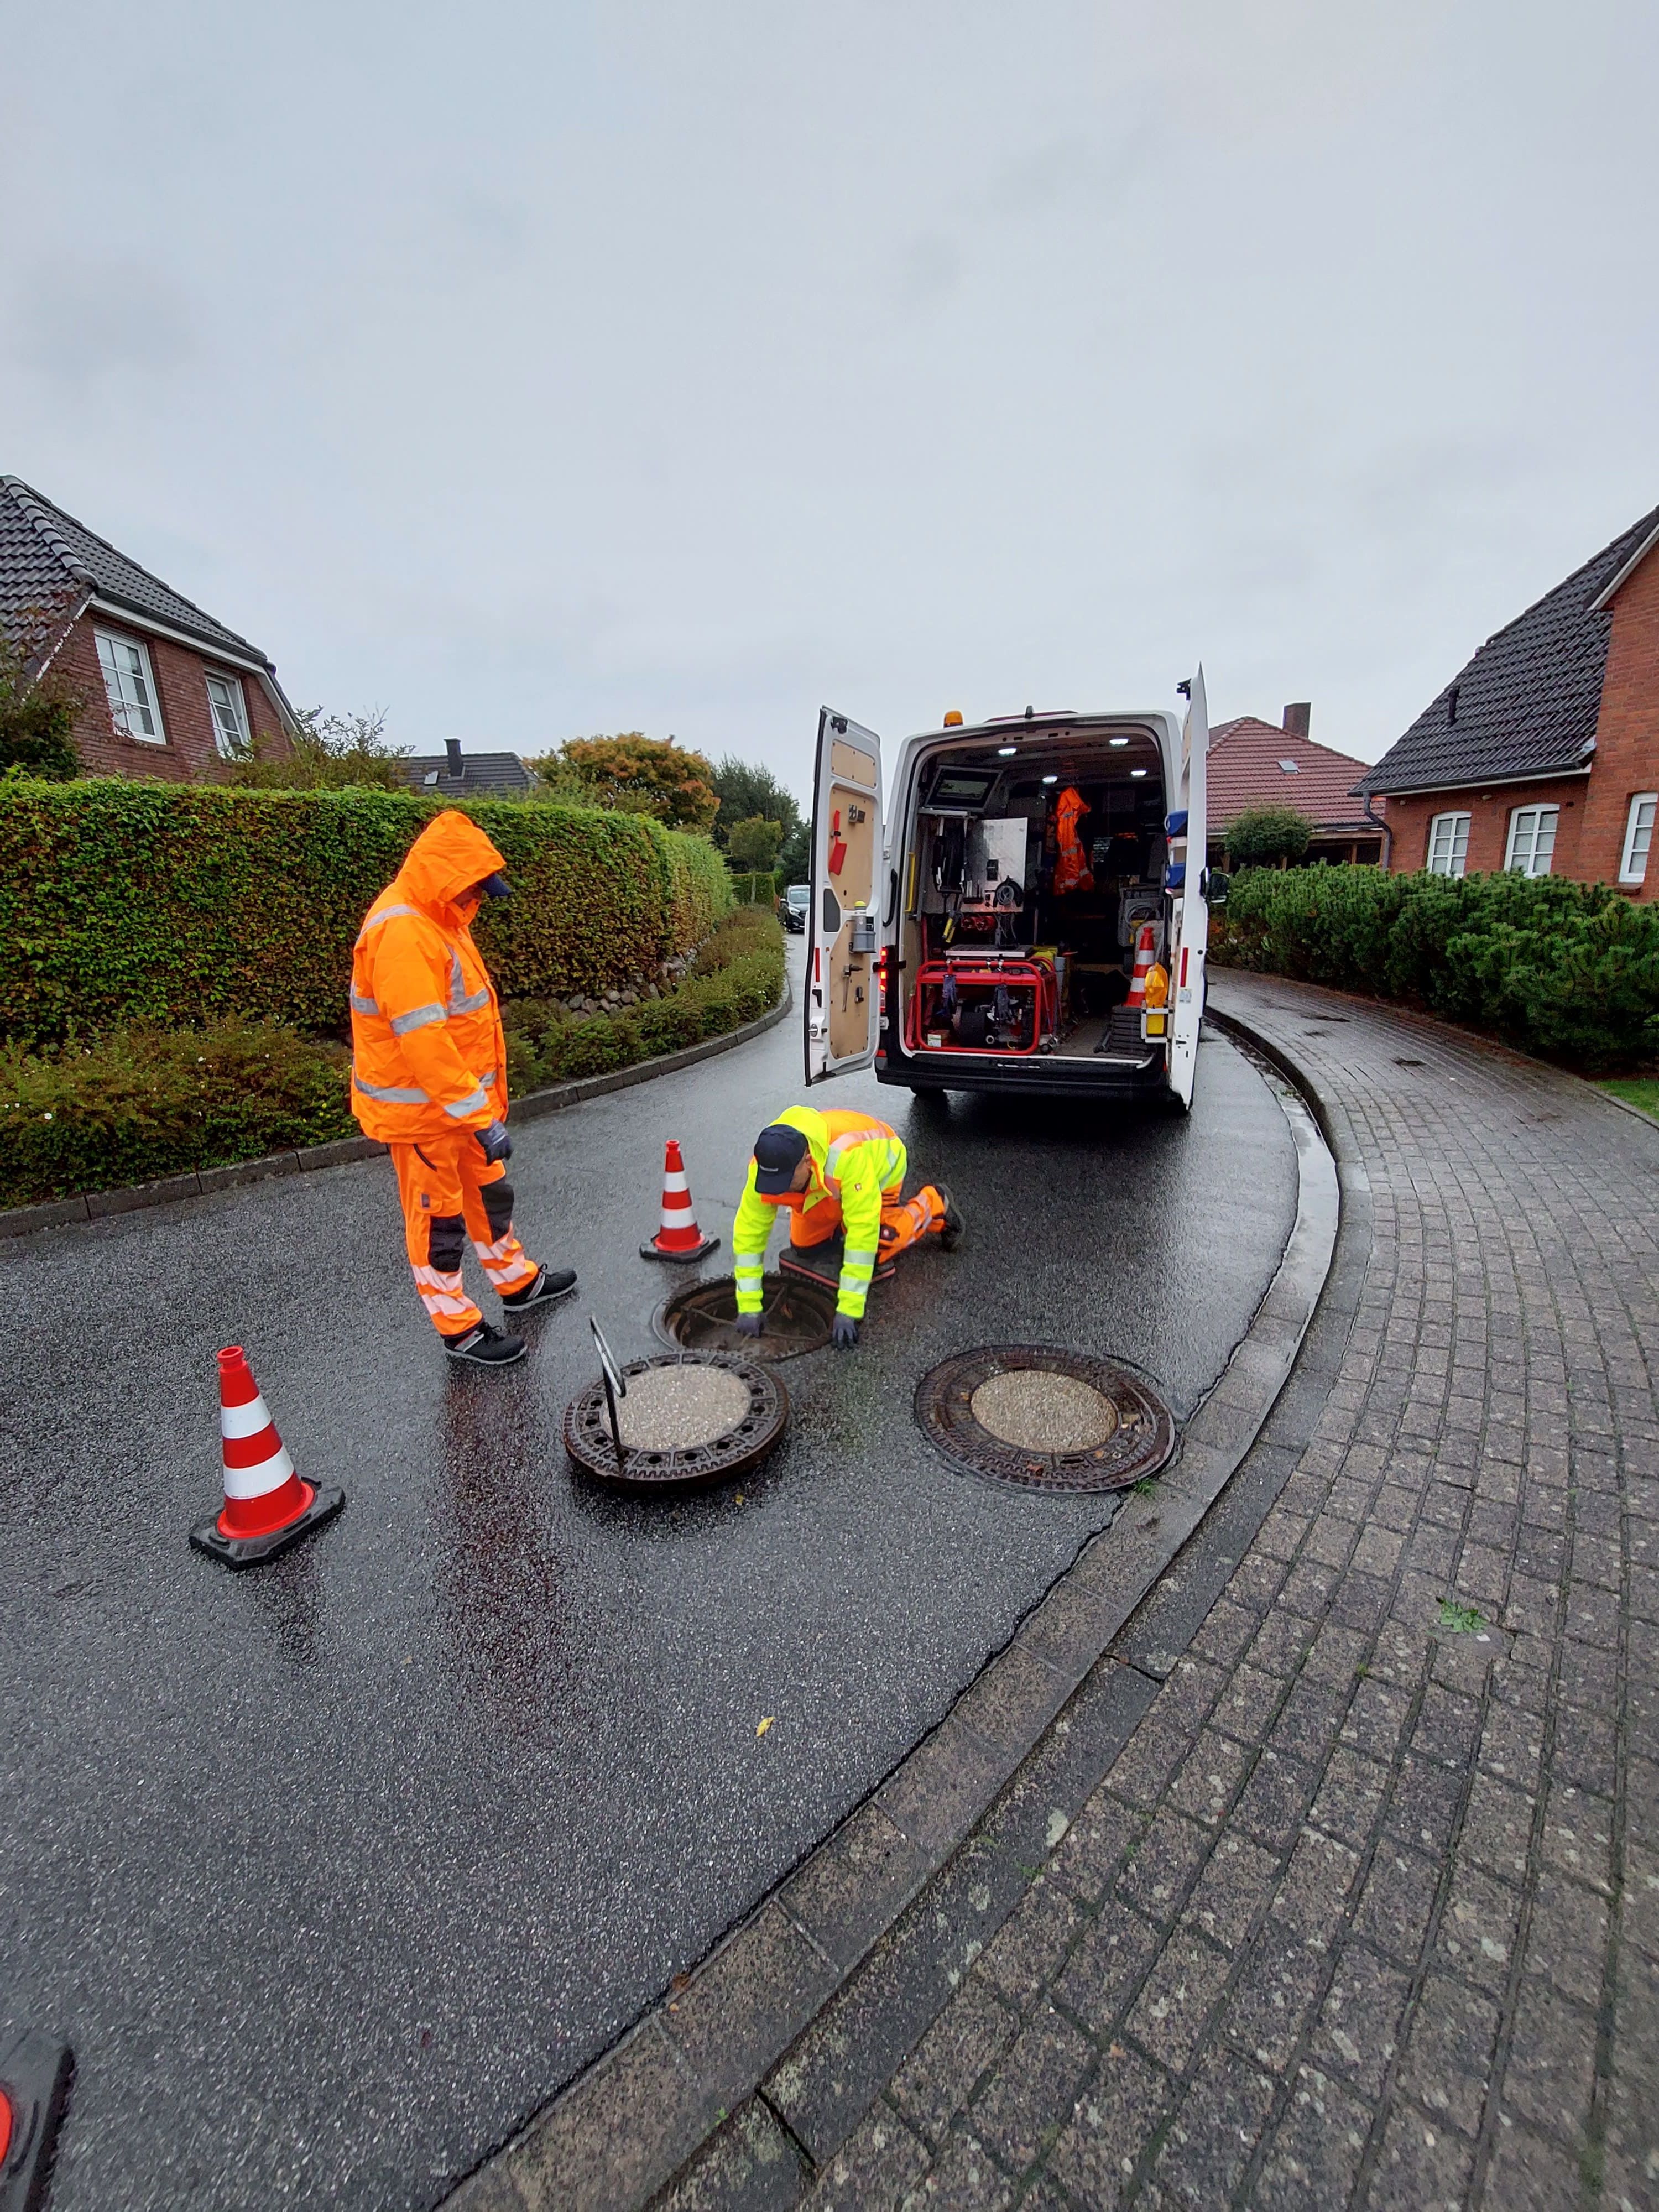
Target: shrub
328,752
1264,835
1566,970
635,773
37,721
754,844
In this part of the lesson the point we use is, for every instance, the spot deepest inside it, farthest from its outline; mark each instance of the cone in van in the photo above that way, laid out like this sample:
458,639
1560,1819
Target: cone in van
677,1237
1136,997
267,1506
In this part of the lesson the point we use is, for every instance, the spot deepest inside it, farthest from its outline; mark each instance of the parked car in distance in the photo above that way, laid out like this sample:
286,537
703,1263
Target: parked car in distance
792,905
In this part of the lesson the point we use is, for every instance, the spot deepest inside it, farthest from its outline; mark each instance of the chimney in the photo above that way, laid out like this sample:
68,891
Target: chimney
456,768
1294,721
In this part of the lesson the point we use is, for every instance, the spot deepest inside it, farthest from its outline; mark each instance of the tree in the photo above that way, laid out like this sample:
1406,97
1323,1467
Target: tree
635,774
328,752
746,791
37,721
1268,836
752,848
794,862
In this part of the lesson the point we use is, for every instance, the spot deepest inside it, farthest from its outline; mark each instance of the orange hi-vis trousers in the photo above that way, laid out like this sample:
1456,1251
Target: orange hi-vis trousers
904,1222
451,1191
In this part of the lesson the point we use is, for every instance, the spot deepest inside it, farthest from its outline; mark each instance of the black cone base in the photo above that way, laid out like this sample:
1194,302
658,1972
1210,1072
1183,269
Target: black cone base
679,1259
254,1551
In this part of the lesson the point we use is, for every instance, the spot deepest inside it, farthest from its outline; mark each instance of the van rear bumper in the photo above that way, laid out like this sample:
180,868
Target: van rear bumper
1039,1076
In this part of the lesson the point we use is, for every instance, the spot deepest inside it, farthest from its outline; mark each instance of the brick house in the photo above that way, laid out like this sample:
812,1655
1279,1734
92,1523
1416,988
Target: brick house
1257,764
169,692
1543,753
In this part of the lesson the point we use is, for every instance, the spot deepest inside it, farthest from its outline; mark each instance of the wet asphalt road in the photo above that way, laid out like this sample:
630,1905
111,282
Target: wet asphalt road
335,1870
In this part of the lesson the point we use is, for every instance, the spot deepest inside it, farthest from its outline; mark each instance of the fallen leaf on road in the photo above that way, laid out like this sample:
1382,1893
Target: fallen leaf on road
766,1724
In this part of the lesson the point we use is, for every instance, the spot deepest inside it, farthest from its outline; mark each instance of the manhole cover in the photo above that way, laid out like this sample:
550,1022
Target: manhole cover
796,1315
1044,1419
687,1417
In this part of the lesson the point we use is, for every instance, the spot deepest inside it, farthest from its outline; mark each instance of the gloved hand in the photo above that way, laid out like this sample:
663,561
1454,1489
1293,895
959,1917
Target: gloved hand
497,1145
845,1334
748,1324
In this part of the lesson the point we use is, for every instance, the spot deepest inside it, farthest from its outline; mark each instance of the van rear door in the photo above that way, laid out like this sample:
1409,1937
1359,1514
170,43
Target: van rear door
843,1010
1187,981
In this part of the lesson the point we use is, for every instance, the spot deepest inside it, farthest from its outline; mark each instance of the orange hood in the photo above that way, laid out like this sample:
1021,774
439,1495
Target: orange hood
450,856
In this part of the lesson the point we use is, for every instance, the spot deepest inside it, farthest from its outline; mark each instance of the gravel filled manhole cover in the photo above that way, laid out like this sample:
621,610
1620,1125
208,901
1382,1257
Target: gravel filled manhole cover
795,1316
686,1417
1044,1419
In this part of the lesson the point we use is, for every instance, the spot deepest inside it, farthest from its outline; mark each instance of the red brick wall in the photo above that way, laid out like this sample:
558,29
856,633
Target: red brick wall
1489,812
191,753
1628,732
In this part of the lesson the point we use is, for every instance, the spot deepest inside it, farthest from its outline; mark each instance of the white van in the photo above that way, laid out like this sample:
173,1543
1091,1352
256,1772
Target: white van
1041,889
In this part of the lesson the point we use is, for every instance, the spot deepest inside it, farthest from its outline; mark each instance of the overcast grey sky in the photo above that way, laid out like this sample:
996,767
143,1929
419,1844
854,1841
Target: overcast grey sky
532,370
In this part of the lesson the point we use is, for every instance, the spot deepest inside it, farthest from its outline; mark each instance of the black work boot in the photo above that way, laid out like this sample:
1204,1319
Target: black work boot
951,1236
545,1288
484,1346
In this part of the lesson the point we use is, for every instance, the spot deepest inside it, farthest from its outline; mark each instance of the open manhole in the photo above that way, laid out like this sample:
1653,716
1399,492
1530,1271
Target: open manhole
1044,1419
797,1314
685,1417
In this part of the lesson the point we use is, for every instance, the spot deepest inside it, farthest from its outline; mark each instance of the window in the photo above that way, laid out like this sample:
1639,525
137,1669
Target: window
1292,768
132,688
230,711
1449,844
1638,837
1532,839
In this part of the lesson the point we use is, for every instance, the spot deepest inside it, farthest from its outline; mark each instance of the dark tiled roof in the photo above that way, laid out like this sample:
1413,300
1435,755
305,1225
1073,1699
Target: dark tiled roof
49,560
480,772
1527,704
1244,770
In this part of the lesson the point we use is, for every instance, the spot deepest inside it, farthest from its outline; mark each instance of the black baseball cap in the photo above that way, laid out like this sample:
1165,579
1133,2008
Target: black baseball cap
495,886
779,1150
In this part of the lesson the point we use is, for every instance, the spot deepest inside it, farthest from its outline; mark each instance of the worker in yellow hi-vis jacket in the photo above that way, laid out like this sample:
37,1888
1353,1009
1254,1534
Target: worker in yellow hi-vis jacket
835,1170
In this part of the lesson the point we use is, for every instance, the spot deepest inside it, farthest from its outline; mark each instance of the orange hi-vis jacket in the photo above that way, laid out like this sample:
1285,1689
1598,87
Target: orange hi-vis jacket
428,1058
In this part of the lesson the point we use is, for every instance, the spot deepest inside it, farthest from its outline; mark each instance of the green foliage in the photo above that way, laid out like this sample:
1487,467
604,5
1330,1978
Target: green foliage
1262,836
141,1103
756,890
170,904
746,792
795,860
1569,970
754,845
1639,1090
328,752
37,721
633,774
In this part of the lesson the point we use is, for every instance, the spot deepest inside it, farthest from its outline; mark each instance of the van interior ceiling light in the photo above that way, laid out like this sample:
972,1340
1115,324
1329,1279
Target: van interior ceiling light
1137,771
1119,741
1051,779
1006,752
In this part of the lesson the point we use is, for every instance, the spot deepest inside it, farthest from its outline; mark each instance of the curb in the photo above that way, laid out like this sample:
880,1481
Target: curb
700,2080
95,1205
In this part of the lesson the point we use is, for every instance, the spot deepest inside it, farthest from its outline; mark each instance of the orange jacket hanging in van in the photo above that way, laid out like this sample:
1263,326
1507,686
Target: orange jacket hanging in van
1071,869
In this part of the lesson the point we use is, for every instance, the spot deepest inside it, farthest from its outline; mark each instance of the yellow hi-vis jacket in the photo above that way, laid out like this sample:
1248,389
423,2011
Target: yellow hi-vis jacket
854,1159
428,1059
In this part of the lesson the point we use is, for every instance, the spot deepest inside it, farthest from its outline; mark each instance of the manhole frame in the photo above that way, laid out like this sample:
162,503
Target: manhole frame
1140,1445
757,1349
589,1446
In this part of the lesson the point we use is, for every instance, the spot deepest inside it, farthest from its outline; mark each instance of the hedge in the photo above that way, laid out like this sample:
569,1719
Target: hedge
172,905
757,889
1565,970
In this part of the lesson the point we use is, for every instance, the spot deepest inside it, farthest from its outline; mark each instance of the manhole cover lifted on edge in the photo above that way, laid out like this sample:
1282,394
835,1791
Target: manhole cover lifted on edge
796,1315
688,1418
1040,1419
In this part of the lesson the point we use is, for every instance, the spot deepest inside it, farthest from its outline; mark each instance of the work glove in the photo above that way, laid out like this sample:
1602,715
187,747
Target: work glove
845,1334
497,1145
748,1324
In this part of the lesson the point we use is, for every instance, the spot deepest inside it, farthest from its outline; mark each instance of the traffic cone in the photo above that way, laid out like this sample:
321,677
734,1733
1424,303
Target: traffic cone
1143,967
267,1506
679,1238
35,2074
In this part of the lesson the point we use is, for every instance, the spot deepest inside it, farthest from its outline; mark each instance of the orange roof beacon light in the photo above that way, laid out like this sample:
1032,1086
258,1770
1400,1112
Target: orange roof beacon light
1155,1012
953,719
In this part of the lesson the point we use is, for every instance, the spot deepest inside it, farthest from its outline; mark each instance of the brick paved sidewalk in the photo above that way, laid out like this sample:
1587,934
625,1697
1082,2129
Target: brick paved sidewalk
1367,1911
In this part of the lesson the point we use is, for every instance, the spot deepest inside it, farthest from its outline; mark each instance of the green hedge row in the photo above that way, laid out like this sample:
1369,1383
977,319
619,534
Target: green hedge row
757,890
1568,970
170,904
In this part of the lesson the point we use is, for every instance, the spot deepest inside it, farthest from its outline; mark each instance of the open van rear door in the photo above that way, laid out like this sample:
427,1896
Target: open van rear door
1192,914
843,1004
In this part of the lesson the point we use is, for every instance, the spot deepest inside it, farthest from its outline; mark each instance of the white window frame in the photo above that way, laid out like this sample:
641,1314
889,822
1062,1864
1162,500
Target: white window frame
1639,825
231,746
1451,831
124,710
1529,828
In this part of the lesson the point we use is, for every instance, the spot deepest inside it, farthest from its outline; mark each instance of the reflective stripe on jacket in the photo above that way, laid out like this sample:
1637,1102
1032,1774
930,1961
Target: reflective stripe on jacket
854,1159
427,1052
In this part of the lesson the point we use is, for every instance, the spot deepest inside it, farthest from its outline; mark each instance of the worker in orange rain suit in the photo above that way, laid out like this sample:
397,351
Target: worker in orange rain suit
428,1077
835,1170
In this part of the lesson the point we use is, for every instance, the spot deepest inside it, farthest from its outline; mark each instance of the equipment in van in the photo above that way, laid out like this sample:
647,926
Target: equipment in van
1071,867
985,1002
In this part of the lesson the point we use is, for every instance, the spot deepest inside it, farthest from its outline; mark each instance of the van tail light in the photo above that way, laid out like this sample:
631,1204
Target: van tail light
1185,950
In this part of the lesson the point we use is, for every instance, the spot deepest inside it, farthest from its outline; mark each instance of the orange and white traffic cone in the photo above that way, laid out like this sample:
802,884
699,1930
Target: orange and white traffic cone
267,1505
1144,956
679,1238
